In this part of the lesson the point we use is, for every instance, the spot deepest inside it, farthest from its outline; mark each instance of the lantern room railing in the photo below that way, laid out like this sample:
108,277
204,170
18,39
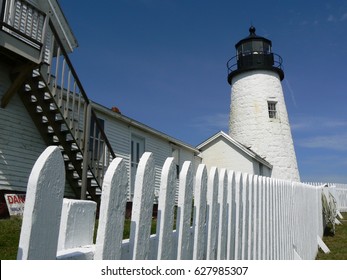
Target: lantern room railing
253,61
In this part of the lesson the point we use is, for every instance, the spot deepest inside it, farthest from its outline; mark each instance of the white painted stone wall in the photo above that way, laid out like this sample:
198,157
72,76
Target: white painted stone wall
250,123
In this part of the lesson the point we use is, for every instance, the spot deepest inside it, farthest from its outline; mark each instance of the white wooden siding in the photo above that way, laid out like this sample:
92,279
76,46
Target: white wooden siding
20,141
119,134
220,153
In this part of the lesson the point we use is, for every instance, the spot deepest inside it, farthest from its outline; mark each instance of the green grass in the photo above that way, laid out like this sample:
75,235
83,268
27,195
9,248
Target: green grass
10,231
336,243
9,237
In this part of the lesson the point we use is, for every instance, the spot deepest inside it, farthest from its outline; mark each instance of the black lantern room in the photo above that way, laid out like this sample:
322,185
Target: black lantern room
252,53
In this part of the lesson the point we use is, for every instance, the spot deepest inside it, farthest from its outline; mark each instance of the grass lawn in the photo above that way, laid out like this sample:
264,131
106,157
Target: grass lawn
337,243
10,230
9,237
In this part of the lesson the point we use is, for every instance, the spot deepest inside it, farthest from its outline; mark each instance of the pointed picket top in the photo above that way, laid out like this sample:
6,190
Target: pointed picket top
166,205
142,208
43,205
184,210
112,212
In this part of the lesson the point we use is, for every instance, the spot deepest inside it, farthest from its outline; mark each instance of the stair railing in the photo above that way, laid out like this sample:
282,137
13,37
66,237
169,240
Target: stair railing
82,121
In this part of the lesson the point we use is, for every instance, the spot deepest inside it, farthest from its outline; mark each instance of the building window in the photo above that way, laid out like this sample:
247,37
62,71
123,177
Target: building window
96,141
137,148
272,109
176,156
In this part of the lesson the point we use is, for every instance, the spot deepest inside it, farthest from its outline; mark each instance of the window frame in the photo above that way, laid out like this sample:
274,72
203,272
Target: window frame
272,109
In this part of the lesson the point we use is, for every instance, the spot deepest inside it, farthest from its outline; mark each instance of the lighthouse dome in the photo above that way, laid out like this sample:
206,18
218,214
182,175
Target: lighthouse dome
254,52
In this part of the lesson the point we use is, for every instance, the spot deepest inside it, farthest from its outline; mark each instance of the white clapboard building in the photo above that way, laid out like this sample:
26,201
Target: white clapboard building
43,103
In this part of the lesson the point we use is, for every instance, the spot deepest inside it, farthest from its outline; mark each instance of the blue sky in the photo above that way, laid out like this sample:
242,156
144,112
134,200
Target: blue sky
163,63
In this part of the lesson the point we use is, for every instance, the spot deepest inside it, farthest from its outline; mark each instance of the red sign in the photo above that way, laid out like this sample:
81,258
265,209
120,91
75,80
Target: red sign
15,203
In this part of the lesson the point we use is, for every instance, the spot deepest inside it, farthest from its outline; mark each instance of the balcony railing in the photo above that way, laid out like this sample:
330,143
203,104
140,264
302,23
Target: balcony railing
23,21
28,24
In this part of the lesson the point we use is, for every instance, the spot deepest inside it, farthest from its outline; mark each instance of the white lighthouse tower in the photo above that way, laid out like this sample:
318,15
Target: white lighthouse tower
258,114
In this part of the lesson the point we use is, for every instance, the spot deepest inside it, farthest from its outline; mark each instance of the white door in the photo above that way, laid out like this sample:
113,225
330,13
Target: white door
137,150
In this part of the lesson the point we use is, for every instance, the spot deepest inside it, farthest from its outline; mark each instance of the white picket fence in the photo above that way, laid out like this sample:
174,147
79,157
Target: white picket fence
220,215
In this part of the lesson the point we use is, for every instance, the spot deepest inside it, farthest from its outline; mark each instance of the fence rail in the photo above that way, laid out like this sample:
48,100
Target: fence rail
220,214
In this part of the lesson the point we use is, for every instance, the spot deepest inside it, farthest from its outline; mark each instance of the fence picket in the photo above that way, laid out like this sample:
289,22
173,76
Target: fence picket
244,218
267,222
44,200
223,214
231,215
184,212
112,212
212,220
200,188
254,218
235,215
260,211
141,217
249,205
238,216
166,205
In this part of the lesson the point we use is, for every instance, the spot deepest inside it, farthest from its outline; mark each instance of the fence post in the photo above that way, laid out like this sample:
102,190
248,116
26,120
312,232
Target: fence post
200,213
142,208
76,228
112,212
166,205
42,212
184,211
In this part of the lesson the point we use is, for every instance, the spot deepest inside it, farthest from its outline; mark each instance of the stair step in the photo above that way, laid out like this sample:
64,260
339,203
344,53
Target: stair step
58,125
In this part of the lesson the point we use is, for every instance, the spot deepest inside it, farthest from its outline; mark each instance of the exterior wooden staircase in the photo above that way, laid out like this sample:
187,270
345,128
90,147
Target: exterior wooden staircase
57,103
54,129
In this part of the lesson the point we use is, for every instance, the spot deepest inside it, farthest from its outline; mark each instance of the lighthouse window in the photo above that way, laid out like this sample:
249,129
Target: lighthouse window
272,109
247,48
257,47
267,48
